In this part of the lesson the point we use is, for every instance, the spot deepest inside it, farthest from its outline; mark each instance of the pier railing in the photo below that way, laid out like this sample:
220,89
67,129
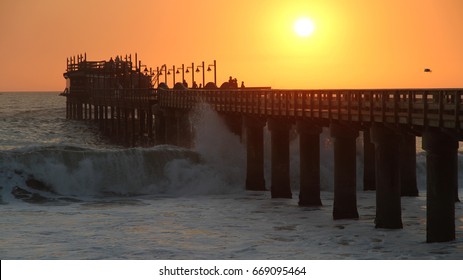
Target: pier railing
413,107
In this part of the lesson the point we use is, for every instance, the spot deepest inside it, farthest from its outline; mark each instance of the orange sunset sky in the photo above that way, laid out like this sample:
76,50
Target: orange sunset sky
355,44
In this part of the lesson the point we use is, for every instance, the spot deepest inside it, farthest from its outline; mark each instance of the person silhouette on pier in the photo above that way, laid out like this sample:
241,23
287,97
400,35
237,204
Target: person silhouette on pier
235,83
195,85
232,82
242,84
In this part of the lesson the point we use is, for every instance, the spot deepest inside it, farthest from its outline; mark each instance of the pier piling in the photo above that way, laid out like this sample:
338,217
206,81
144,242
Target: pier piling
388,203
441,181
279,130
255,180
309,149
407,152
369,173
345,197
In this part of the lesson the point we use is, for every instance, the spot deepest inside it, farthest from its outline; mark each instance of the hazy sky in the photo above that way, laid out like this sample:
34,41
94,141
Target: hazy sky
356,43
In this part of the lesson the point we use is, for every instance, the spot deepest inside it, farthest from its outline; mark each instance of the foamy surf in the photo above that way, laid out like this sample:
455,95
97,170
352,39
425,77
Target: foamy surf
77,171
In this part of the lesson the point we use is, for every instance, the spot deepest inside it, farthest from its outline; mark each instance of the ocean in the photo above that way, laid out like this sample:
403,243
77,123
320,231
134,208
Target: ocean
67,193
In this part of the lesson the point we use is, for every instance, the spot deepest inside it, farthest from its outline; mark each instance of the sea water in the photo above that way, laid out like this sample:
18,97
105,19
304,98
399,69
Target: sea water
95,200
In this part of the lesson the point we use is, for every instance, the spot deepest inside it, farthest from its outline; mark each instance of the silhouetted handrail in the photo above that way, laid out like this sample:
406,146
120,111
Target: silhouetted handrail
412,107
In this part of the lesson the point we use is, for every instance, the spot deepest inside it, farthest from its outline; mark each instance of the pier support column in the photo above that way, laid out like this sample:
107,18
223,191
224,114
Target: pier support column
407,152
67,107
185,134
387,157
142,126
95,112
119,134
90,117
441,181
309,148
126,127
133,134
171,127
345,178
255,153
280,187
101,117
159,128
80,111
150,125
114,121
73,110
234,124
369,172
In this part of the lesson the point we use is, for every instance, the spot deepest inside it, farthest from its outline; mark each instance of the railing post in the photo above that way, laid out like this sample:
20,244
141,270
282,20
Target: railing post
457,100
440,95
360,105
330,114
396,106
384,97
371,102
349,105
425,109
410,108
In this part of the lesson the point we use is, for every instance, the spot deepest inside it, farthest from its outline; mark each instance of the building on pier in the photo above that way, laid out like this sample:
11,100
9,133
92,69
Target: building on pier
117,93
87,78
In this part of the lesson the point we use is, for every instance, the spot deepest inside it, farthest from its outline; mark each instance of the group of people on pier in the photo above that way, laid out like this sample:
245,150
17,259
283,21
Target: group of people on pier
232,83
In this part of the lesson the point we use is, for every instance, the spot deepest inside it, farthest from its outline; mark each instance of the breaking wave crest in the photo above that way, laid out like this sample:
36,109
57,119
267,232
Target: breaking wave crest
77,171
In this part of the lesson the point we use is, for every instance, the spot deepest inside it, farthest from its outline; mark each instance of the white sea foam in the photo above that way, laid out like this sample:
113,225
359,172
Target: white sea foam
218,146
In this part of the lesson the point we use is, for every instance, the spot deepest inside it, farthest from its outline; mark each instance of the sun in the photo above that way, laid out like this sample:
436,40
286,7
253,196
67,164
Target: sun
304,27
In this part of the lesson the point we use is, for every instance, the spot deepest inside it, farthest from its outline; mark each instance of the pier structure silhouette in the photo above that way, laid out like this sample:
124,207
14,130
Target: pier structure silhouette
120,96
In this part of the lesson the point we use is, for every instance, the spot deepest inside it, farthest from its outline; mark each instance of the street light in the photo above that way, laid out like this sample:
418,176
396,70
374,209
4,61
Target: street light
215,70
197,70
145,72
159,73
192,73
183,72
173,72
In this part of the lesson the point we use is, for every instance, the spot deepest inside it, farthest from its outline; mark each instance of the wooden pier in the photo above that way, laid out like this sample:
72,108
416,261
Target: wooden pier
389,118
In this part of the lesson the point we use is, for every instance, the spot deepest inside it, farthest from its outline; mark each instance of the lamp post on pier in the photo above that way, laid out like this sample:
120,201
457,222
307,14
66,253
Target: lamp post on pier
183,72
173,74
215,70
159,73
145,72
197,71
192,67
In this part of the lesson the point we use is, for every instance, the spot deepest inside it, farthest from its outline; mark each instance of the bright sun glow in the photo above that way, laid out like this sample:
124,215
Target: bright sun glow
304,27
